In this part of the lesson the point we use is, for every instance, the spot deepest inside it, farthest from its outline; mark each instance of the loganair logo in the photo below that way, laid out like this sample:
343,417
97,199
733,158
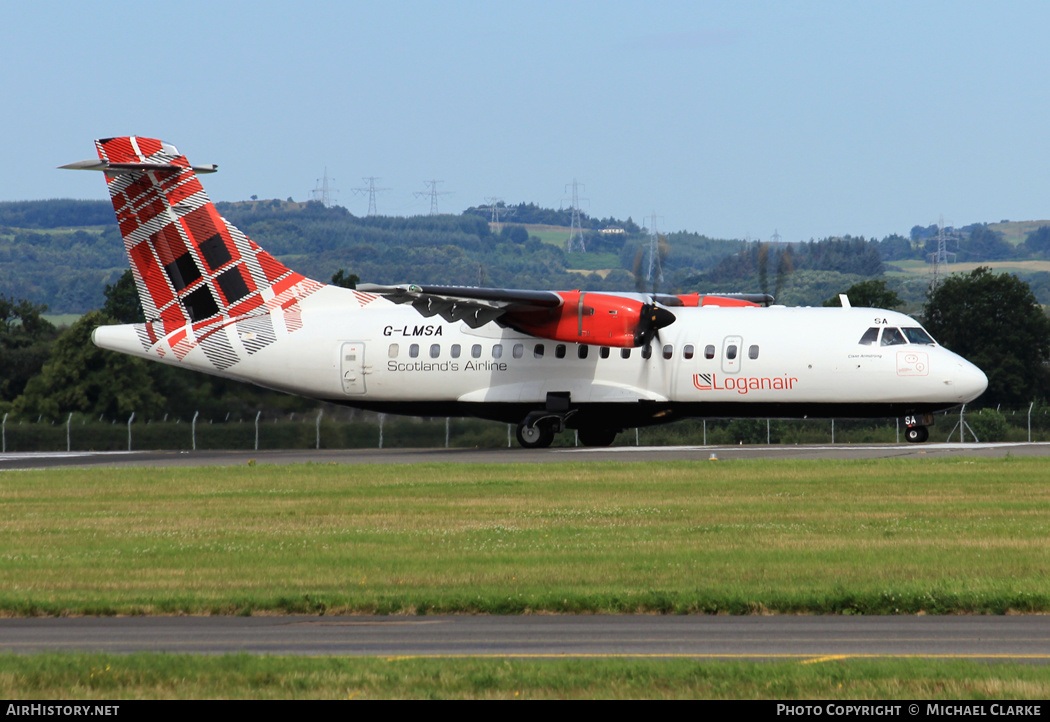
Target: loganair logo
743,384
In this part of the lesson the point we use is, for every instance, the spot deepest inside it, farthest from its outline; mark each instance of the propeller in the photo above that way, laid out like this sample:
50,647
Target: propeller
653,316
785,266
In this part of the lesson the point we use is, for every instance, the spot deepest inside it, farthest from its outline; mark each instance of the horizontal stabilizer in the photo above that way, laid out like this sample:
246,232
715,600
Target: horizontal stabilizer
108,167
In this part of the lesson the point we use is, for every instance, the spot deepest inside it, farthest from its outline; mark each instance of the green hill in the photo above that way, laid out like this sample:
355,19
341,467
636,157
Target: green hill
62,253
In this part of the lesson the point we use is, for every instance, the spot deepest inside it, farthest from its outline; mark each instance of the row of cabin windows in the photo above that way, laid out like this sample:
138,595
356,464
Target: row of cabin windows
560,351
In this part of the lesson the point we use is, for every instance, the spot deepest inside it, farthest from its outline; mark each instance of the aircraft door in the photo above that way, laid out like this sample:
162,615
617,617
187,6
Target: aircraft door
732,347
353,367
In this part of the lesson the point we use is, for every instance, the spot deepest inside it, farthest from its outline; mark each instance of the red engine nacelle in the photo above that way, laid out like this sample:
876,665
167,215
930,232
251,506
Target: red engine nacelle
594,318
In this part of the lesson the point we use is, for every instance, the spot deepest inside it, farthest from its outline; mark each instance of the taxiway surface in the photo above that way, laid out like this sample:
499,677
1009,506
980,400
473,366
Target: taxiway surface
816,638
514,455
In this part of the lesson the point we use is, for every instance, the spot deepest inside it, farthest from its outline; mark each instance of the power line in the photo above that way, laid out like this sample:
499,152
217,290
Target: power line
322,192
433,192
941,257
575,242
654,251
495,207
371,190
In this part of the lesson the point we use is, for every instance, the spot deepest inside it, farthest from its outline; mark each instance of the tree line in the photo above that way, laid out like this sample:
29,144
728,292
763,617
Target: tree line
991,319
64,252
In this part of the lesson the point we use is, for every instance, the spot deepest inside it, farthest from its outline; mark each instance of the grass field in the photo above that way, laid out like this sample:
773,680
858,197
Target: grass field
916,267
937,536
1016,231
160,676
881,537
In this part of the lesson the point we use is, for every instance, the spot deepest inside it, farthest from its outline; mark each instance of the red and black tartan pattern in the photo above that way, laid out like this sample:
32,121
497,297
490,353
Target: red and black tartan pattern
195,273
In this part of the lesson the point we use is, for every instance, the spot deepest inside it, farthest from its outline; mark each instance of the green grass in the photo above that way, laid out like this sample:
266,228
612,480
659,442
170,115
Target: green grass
873,537
591,261
1017,231
554,235
913,267
161,676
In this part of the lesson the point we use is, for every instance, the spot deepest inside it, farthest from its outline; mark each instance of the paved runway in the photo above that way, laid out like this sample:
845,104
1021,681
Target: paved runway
804,638
515,455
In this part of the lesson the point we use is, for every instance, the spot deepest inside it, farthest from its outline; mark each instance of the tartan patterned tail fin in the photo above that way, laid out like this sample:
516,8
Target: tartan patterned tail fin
189,263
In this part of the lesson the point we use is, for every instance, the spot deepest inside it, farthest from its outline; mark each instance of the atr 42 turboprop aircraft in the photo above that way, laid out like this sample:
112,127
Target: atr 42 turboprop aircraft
596,362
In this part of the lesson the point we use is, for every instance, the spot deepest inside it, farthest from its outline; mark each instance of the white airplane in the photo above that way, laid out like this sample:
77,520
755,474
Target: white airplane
595,362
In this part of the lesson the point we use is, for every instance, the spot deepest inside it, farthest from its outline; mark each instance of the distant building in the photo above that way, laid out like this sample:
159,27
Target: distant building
612,230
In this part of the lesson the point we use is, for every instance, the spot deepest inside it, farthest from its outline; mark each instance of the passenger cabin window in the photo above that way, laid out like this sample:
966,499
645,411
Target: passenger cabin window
892,337
581,352
435,350
538,351
687,352
709,352
870,337
475,351
625,353
559,351
413,350
647,351
668,351
604,352
393,350
752,352
731,351
455,350
497,351
518,351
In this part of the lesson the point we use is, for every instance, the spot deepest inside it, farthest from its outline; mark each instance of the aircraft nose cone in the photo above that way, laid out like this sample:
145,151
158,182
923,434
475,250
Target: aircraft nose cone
970,381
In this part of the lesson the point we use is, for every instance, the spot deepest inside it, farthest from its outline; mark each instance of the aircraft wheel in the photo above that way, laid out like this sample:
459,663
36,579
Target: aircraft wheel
538,436
916,434
596,436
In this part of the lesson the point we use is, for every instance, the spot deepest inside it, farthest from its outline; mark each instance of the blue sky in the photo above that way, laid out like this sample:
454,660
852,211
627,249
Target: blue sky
732,119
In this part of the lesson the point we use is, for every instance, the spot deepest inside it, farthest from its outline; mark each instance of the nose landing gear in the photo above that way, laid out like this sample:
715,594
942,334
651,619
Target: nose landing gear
916,434
915,431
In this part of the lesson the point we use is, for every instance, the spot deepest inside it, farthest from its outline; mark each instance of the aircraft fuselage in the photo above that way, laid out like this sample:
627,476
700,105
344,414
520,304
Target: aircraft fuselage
711,362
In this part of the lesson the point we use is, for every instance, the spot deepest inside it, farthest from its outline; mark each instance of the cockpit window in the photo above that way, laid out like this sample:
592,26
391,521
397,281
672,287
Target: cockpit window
918,335
870,337
892,337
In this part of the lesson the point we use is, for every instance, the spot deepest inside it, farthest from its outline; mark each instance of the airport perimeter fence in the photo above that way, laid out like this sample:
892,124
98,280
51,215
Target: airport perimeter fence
334,427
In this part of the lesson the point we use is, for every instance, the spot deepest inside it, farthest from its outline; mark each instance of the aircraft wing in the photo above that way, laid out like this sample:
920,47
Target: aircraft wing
474,306
605,319
574,316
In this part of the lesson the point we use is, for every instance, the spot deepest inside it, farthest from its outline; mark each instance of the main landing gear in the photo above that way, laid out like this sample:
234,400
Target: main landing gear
538,436
537,430
596,436
541,434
